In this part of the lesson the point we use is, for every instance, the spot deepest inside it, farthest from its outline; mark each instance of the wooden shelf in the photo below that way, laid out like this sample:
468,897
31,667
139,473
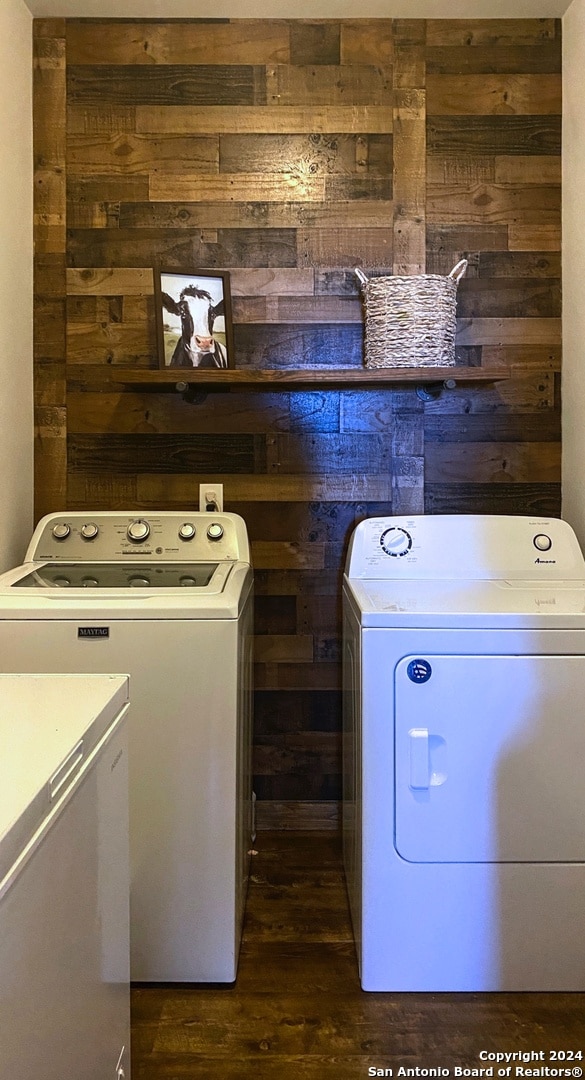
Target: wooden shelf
315,377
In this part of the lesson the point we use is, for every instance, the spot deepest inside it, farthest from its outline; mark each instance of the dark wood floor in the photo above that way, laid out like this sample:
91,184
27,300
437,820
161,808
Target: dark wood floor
297,1011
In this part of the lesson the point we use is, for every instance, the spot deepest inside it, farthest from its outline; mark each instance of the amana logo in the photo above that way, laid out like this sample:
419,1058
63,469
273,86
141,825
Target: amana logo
93,631
553,561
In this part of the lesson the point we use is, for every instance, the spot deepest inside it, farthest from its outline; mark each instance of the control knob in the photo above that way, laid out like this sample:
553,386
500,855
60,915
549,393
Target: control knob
396,542
61,531
542,542
215,531
138,531
186,530
89,531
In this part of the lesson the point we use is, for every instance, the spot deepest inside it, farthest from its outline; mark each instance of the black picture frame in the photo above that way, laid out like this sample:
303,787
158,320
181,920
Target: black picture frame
181,299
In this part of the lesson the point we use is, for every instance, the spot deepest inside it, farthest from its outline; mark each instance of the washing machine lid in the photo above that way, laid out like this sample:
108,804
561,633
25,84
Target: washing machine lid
116,576
131,590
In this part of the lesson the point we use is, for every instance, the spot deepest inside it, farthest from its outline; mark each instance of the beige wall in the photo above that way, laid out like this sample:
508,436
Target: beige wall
300,9
16,183
574,267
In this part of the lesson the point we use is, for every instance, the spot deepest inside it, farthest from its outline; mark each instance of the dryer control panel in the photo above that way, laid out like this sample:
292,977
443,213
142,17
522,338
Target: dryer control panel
470,547
191,536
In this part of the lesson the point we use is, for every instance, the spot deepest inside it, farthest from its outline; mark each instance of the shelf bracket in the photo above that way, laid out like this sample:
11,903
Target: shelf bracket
433,391
190,393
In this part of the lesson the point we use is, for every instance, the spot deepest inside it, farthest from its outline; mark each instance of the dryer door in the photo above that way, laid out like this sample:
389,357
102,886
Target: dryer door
489,758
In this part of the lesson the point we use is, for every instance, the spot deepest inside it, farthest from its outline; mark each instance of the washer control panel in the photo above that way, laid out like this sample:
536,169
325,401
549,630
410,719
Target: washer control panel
467,546
168,536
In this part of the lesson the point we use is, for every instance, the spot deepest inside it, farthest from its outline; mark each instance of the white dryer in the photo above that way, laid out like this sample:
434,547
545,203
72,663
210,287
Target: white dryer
166,599
464,750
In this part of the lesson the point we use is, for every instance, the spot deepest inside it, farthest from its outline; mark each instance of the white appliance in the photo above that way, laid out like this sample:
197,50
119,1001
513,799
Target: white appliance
167,599
64,924
464,748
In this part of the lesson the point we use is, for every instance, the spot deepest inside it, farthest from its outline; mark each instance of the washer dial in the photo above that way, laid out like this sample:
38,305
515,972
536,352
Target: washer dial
215,531
186,530
61,531
89,531
138,531
396,542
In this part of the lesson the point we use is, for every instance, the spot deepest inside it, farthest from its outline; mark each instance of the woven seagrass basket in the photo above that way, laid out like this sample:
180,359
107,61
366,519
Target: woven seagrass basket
410,321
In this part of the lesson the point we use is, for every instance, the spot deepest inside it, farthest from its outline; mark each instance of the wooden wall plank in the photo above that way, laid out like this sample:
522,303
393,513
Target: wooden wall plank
534,237
409,153
510,298
298,185
364,41
265,119
284,309
524,135
167,454
535,204
363,487
272,346
542,58
527,170
315,42
177,84
347,247
503,463
246,41
364,213
508,331
486,95
334,152
541,499
126,153
478,33
329,84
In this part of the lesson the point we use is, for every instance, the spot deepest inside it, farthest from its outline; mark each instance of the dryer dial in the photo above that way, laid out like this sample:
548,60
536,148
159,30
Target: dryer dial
138,531
396,542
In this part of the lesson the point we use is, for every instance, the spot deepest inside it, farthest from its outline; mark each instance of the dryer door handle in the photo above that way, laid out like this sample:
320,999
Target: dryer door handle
420,765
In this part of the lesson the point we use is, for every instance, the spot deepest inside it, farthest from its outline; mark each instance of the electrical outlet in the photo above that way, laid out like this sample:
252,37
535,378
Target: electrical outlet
211,497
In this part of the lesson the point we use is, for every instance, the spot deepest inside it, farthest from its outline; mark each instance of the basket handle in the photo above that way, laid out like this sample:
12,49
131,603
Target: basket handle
360,276
458,270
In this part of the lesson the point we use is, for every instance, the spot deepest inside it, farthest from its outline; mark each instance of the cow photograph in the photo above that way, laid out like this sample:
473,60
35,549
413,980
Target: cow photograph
194,322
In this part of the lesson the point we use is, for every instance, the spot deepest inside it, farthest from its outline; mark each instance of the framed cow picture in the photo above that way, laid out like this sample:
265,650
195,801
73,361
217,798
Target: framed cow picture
194,318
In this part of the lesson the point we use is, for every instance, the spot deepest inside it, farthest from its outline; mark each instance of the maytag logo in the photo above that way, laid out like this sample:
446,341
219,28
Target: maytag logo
93,631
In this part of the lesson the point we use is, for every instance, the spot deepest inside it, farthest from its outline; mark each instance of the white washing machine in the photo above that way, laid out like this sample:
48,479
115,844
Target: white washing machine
464,751
168,600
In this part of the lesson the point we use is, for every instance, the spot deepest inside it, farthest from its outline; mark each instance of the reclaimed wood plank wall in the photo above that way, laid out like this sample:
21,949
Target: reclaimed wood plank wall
289,152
